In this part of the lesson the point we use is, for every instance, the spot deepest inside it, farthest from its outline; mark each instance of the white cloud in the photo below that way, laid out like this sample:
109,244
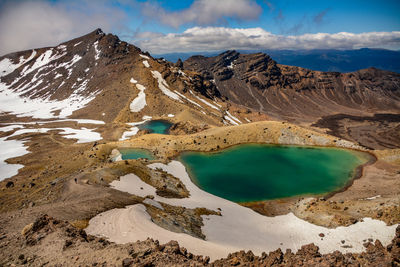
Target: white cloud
32,24
205,12
200,39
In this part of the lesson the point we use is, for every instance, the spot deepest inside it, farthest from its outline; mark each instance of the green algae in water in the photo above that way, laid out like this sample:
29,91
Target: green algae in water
252,172
156,126
135,153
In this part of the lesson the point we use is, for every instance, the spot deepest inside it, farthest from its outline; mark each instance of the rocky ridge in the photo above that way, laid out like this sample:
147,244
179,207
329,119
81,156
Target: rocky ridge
296,94
67,240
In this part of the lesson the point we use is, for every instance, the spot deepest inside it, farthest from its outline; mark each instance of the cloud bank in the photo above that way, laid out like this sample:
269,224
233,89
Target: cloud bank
31,24
199,39
205,12
28,24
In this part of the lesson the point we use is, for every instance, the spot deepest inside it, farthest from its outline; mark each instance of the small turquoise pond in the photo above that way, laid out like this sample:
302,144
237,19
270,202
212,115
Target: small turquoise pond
156,126
253,172
135,153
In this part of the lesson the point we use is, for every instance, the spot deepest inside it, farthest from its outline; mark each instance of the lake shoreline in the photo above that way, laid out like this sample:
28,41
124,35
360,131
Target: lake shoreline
169,147
357,172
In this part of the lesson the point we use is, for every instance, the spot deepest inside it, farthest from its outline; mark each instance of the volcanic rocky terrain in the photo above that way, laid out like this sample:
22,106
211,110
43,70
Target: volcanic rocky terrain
345,103
66,110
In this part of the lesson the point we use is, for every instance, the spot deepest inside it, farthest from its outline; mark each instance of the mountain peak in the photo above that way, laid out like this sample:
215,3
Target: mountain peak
99,31
229,52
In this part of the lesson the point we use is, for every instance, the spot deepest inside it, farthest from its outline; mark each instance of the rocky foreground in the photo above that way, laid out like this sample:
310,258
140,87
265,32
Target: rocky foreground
51,242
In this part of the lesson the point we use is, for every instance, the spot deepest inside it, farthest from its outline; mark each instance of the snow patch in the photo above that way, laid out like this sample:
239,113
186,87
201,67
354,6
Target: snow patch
42,60
62,47
139,102
69,65
80,121
97,50
204,101
10,128
230,120
13,101
10,149
146,64
32,130
133,81
83,135
368,198
146,118
233,117
144,56
189,100
162,84
220,106
133,130
127,134
83,121
171,115
7,67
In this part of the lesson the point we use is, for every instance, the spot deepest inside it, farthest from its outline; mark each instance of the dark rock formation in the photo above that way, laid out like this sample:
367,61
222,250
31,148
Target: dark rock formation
296,94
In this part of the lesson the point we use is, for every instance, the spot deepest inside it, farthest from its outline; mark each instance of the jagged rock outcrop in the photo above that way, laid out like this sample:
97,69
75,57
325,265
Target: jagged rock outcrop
179,64
304,96
293,93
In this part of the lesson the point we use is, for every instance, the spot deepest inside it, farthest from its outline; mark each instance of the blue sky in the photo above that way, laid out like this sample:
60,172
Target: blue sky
299,16
204,25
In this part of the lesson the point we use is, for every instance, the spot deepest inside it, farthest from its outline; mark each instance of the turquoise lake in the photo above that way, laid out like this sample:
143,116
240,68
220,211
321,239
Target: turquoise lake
156,126
135,153
254,172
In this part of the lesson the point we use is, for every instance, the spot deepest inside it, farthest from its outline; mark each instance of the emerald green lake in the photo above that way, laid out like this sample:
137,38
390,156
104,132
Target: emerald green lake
156,126
253,172
135,153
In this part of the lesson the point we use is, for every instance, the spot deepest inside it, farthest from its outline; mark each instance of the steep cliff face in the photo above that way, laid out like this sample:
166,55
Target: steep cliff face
297,94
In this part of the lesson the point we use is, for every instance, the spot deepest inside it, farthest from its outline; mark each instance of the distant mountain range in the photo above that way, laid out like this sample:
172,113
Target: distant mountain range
321,60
